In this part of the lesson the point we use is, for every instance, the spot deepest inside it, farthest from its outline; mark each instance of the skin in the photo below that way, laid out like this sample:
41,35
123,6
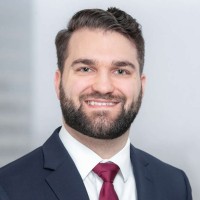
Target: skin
104,62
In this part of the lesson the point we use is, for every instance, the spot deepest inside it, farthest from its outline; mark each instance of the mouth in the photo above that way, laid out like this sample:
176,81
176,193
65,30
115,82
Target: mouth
101,103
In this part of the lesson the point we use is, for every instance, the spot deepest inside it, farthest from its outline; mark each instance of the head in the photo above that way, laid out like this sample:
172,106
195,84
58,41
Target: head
99,80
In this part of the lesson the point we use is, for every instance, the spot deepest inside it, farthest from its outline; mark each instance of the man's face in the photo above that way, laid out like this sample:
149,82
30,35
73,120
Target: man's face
101,89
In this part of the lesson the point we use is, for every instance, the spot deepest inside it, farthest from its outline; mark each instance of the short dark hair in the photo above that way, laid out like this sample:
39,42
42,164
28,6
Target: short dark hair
111,20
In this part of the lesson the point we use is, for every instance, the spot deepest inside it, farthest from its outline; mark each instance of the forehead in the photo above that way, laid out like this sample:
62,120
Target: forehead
102,45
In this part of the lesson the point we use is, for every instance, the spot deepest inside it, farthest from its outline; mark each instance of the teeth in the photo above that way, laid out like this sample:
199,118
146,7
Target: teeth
94,103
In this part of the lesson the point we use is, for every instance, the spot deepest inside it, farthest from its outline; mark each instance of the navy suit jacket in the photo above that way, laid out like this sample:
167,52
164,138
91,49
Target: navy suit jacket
49,173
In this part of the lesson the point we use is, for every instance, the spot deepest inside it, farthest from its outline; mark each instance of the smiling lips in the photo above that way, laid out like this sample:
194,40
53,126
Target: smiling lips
101,103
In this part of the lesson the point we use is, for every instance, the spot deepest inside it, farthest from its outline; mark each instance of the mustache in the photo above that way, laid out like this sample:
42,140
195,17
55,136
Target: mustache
98,95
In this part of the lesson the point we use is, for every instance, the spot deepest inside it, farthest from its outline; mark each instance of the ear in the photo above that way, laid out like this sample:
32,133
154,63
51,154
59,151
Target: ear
57,82
143,83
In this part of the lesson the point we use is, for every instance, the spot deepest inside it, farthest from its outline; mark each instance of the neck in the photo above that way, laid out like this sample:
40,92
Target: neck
102,147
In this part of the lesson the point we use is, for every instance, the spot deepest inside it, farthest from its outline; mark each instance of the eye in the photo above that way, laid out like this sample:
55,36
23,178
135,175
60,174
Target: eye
85,69
122,72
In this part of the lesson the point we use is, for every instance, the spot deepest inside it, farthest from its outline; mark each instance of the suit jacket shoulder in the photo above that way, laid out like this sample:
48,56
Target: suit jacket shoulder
156,179
46,173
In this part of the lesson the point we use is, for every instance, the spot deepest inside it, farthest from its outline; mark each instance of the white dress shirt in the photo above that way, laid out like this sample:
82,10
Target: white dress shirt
85,160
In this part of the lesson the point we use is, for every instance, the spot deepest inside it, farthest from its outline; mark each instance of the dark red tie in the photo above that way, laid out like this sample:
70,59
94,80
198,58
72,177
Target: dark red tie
107,171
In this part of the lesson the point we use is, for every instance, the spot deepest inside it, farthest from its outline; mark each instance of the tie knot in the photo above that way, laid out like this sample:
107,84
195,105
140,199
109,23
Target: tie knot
107,171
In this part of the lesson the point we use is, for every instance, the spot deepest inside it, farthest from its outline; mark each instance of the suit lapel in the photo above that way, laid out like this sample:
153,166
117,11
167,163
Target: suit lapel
143,178
64,180
67,183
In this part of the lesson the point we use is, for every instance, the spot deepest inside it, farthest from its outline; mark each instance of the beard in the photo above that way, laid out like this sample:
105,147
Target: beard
99,124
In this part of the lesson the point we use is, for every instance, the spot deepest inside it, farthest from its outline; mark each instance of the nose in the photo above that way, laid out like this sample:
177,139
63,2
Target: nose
103,84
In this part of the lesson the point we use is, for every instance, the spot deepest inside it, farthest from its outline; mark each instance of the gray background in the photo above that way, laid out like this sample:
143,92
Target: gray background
168,124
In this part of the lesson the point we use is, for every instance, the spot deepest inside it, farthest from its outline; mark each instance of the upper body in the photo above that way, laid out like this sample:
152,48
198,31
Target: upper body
49,173
100,84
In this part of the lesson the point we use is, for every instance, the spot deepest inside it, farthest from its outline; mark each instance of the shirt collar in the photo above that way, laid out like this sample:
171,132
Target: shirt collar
85,159
122,159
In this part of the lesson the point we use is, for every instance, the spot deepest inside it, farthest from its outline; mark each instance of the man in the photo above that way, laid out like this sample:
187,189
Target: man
100,84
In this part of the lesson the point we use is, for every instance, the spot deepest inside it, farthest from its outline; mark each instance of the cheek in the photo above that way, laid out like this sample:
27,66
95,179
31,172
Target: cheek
130,90
75,87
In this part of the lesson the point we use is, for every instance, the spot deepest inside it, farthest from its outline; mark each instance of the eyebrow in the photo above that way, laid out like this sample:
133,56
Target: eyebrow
84,61
123,64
